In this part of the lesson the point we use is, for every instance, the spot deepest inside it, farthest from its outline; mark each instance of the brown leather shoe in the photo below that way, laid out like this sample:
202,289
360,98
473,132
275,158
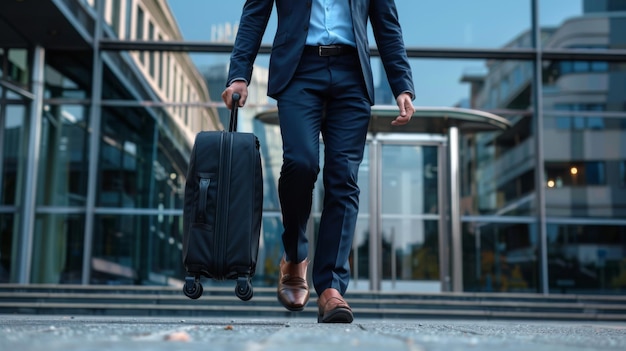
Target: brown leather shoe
293,290
333,308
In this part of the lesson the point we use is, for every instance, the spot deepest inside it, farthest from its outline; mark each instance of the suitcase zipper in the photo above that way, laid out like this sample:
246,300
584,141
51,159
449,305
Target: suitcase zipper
224,190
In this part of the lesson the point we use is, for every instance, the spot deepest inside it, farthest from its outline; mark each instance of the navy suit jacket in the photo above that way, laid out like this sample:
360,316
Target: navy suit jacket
291,34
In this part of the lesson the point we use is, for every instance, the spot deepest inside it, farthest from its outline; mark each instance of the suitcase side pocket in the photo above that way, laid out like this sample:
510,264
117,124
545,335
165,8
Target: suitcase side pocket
207,198
201,239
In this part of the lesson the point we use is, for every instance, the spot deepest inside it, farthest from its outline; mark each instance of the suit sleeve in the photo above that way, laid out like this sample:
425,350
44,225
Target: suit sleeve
388,35
252,25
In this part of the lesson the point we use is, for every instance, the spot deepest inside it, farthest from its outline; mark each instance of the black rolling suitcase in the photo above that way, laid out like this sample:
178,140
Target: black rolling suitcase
222,209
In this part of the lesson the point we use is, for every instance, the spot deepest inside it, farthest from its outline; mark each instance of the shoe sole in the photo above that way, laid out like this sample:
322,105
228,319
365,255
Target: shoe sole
291,308
338,315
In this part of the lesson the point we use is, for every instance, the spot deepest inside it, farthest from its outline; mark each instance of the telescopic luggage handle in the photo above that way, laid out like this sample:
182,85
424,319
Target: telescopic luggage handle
232,127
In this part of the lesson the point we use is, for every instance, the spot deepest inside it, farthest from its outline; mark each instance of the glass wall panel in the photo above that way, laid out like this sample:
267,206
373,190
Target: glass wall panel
584,89
270,250
271,247
63,156
410,201
410,259
2,61
497,168
215,22
58,245
13,146
8,241
147,249
584,138
583,24
500,86
129,167
360,254
67,76
469,25
587,259
17,67
144,155
121,248
500,257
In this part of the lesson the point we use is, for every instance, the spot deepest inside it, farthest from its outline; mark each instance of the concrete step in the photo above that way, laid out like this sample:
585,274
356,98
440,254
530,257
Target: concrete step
218,301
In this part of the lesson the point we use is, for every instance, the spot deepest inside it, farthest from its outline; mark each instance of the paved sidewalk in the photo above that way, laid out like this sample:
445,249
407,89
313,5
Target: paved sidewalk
68,333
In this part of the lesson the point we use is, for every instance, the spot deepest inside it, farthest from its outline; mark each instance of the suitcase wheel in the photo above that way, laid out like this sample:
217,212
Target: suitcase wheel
243,290
192,288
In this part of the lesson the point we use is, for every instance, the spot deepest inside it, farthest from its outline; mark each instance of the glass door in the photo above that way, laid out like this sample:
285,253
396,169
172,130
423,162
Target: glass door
409,217
402,183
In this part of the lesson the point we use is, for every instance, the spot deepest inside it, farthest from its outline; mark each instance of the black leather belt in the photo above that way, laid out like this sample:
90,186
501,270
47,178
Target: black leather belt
329,50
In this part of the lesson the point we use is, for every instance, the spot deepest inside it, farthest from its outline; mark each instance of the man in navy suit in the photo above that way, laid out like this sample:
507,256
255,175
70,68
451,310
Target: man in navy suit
320,75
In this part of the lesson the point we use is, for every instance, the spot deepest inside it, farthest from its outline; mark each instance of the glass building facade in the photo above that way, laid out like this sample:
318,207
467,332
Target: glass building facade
100,101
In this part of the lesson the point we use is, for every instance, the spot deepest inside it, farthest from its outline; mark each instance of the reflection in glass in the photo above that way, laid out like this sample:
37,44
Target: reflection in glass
582,161
128,168
500,257
17,69
121,247
410,180
63,156
410,243
582,23
582,92
2,58
58,249
60,85
270,251
564,174
143,159
587,259
360,253
13,146
497,169
424,23
410,253
8,236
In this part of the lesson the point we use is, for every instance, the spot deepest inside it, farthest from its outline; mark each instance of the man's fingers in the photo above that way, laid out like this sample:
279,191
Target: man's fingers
406,112
401,120
239,88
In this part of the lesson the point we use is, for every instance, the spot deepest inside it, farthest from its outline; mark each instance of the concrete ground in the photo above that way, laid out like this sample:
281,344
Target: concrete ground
68,333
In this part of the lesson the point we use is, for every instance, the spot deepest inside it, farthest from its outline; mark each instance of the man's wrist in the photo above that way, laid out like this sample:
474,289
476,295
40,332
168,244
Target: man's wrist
237,80
410,93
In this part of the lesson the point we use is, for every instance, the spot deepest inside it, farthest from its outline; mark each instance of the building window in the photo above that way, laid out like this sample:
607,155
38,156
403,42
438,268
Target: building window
140,23
578,122
116,17
583,66
161,66
140,32
165,71
151,54
17,67
586,258
564,174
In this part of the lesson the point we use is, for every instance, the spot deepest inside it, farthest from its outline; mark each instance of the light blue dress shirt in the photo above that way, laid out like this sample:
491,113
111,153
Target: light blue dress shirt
331,23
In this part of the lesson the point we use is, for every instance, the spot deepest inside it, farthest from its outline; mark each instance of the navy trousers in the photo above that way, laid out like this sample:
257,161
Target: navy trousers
327,95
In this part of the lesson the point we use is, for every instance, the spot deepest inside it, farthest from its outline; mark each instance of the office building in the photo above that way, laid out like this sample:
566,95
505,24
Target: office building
100,102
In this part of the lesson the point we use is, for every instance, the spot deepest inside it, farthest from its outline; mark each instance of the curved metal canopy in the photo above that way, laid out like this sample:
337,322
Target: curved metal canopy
426,119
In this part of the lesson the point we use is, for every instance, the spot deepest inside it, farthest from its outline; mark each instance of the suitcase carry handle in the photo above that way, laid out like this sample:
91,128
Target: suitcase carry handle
232,127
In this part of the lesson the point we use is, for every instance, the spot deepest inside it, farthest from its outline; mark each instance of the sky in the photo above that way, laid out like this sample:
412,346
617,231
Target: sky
425,23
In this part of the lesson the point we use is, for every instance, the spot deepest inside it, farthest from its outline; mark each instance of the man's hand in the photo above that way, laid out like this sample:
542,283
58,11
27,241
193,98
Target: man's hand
405,104
237,86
